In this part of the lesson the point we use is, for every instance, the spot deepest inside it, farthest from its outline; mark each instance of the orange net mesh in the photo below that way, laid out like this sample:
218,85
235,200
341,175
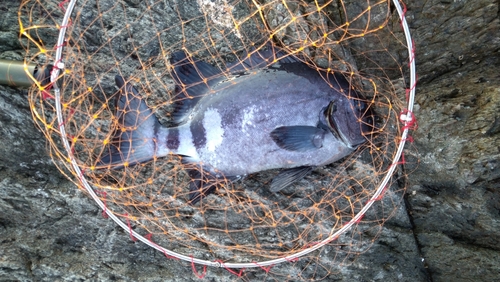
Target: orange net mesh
242,221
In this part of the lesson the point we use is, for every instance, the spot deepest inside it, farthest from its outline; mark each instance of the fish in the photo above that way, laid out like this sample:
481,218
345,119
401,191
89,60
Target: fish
265,113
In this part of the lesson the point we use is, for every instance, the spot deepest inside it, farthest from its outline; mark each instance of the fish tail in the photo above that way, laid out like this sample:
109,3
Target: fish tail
134,138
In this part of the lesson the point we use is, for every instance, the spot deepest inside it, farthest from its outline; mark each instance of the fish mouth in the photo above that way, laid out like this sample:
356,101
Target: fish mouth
332,124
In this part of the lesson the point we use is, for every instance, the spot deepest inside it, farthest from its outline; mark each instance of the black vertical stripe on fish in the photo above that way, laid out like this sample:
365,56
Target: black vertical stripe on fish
156,129
173,139
198,133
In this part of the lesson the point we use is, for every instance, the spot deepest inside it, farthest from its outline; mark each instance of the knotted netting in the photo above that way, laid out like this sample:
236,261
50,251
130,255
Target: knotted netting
315,223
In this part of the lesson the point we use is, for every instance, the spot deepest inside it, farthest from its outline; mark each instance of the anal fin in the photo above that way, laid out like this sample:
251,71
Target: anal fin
289,176
204,183
201,185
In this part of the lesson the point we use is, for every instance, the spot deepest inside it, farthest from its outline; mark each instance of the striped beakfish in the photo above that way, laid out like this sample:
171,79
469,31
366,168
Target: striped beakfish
258,116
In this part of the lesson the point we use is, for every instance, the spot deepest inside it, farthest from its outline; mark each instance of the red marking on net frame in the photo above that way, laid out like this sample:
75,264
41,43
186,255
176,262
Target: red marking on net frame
229,269
130,228
408,118
61,5
266,269
403,15
104,211
193,266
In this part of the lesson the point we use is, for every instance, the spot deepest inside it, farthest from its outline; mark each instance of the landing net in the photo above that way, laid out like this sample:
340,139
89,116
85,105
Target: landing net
315,224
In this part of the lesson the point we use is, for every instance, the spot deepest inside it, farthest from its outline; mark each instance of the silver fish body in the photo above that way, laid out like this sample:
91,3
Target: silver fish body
282,116
229,131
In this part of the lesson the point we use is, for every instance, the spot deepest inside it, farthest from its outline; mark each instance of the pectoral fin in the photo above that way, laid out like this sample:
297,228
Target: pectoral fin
289,176
298,138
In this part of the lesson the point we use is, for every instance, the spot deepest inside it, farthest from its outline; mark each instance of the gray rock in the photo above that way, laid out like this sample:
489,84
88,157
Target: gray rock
445,228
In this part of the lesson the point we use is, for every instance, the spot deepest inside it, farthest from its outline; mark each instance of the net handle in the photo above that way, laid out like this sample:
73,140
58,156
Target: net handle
406,117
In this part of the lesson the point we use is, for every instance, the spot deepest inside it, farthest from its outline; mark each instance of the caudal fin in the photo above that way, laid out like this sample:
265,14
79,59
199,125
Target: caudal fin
134,136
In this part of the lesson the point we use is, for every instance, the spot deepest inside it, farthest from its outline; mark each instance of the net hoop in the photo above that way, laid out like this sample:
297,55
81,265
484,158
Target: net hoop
406,117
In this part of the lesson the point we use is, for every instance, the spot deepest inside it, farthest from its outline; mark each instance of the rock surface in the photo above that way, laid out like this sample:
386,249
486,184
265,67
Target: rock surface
448,228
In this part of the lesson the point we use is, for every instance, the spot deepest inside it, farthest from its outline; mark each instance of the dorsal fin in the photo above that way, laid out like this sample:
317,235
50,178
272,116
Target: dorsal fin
193,79
260,59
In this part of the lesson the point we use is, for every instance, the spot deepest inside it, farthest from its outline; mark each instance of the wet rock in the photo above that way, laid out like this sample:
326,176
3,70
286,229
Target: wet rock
50,230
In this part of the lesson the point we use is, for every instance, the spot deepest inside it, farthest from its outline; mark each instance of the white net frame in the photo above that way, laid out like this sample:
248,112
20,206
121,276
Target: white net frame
406,117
